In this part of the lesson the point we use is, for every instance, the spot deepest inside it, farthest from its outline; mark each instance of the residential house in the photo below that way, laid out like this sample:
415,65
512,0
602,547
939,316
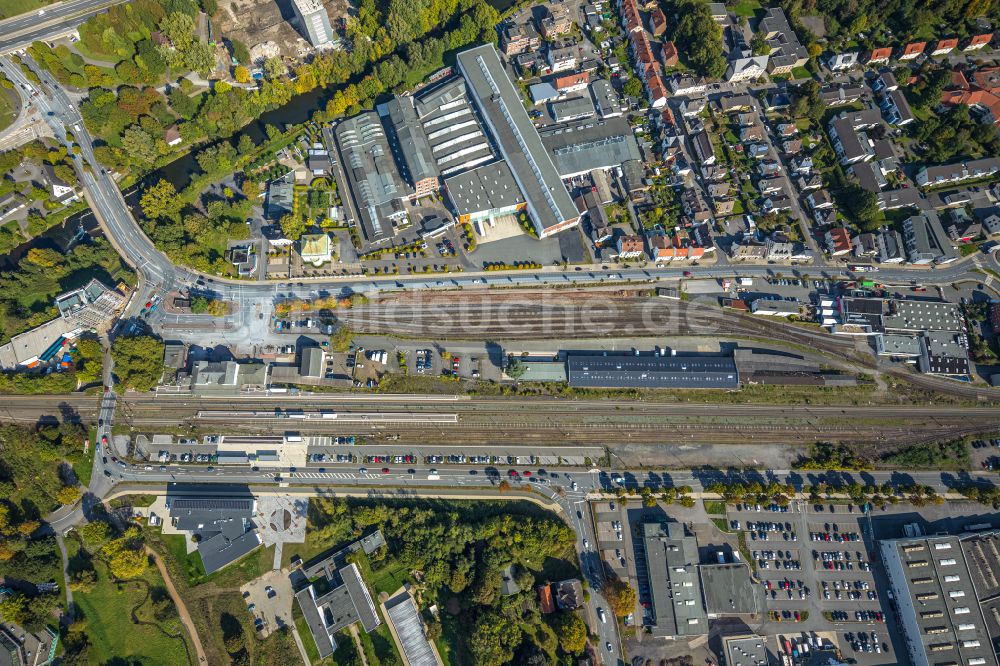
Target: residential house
776,203
926,240
752,133
907,197
786,51
731,103
865,245
944,47
838,241
819,200
656,90
718,190
890,247
809,182
172,136
723,207
568,83
657,22
703,148
953,173
746,69
605,99
791,147
718,10
630,247
886,82
839,94
557,20
779,251
769,186
661,248
748,252
848,137
631,19
912,51
897,109
62,192
712,173
776,100
880,55
519,38
802,165
687,85
868,176
977,42
962,227
991,224
668,53
562,56
841,62
746,119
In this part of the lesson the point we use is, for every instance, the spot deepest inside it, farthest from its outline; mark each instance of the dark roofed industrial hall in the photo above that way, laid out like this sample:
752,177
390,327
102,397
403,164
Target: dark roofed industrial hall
651,371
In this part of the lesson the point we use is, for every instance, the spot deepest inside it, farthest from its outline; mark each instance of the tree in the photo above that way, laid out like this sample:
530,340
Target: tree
863,207
759,44
292,226
160,200
515,367
44,257
493,639
14,608
632,87
68,495
242,74
95,532
620,595
89,360
140,146
699,37
138,361
240,51
571,630
125,555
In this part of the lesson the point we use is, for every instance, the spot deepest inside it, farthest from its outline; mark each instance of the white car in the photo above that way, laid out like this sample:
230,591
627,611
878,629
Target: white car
601,615
609,646
586,544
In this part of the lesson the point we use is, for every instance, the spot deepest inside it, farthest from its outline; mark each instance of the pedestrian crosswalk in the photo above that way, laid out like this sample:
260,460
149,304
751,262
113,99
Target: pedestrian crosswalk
324,475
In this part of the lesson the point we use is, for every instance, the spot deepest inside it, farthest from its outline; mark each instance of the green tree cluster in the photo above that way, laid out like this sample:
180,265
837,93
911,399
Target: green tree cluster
138,361
699,38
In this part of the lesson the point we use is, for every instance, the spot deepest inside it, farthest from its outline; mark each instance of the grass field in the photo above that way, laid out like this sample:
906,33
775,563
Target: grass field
8,108
10,8
801,73
113,636
715,507
746,8
253,565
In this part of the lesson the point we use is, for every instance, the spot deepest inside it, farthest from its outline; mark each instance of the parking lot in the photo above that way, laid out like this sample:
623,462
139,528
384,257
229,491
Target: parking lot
815,572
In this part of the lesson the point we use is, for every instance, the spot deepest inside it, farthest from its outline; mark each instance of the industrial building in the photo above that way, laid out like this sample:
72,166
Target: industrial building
408,627
314,21
411,147
675,587
227,378
499,104
651,371
484,194
376,185
222,526
940,585
581,147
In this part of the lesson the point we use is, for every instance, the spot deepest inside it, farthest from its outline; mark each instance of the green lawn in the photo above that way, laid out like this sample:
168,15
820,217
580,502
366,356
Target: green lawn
8,109
715,507
801,73
114,638
747,8
388,579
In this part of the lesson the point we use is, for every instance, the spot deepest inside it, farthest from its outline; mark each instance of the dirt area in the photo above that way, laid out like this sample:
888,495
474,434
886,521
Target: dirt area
687,456
265,26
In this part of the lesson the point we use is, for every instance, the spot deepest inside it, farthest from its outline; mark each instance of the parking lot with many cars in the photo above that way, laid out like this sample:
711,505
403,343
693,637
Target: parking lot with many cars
815,570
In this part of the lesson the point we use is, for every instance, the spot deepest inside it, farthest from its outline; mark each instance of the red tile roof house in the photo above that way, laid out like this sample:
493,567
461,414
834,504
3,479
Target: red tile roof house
669,53
545,601
838,241
631,247
911,51
657,22
571,82
945,46
977,42
879,55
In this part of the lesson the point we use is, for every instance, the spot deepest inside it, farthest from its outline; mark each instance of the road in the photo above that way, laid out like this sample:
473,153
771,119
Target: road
49,22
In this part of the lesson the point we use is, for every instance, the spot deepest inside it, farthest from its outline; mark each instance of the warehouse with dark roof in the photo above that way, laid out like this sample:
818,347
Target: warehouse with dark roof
651,371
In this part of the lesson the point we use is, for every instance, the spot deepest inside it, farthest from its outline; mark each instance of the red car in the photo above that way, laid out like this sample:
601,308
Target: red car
688,274
385,470
512,473
148,305
455,363
797,616
104,439
527,473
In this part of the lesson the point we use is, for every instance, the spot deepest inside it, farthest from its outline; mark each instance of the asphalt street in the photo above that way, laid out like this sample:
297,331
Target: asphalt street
55,20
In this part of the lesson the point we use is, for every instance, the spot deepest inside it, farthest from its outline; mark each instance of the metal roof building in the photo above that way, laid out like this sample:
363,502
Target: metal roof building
372,175
674,584
223,524
606,100
583,146
939,583
348,601
485,191
405,619
571,109
499,103
650,371
409,143
454,132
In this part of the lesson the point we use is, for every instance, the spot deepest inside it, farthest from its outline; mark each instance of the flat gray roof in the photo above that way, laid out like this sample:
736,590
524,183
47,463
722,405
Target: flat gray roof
728,589
500,105
648,371
573,107
585,145
411,147
672,569
485,188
